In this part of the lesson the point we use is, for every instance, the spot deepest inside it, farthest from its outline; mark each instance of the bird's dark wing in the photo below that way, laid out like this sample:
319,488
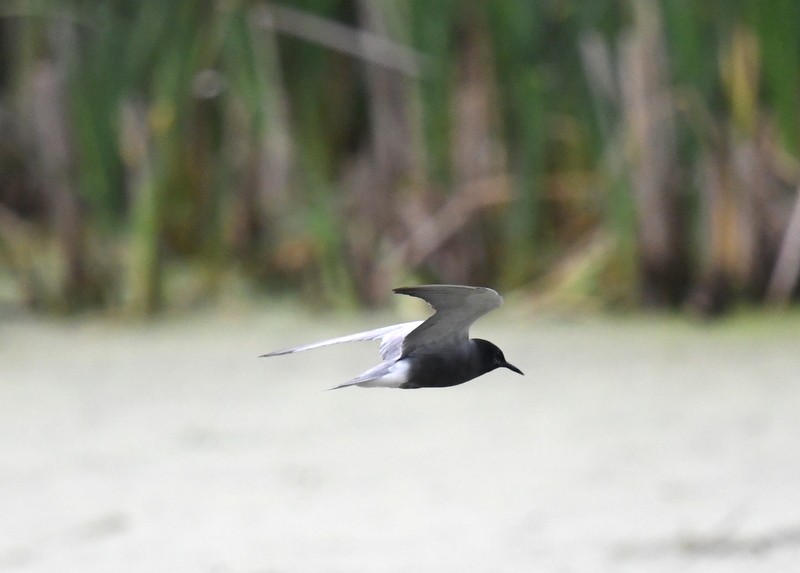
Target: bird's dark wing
457,307
391,338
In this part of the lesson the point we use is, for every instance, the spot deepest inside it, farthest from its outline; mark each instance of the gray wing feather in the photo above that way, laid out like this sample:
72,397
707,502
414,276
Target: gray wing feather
392,342
391,338
457,307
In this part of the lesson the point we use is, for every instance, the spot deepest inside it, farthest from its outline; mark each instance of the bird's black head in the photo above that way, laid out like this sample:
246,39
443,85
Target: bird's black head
492,357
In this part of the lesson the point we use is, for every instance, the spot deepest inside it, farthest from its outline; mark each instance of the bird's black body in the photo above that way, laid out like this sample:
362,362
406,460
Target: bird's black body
434,353
431,369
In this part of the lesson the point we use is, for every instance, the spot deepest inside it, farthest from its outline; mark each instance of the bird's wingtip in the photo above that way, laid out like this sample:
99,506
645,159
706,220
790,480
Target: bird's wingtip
276,353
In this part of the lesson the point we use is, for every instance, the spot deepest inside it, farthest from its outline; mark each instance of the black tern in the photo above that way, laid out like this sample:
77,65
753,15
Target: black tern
432,353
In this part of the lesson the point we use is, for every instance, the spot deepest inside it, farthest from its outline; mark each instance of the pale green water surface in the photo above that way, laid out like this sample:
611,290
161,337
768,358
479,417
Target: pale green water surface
639,445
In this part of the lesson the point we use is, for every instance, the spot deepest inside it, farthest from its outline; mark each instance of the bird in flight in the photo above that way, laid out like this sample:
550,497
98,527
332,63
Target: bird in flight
432,353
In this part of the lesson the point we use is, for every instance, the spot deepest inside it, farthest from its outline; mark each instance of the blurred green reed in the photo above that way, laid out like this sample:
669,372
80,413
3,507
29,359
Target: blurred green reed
604,151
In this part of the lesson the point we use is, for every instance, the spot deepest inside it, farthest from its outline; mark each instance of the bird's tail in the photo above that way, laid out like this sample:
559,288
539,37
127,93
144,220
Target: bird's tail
389,374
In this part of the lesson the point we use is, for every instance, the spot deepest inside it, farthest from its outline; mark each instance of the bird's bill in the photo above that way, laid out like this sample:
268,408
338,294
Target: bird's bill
513,368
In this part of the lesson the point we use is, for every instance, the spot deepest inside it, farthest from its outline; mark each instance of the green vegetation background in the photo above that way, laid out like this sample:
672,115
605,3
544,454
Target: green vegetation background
605,152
